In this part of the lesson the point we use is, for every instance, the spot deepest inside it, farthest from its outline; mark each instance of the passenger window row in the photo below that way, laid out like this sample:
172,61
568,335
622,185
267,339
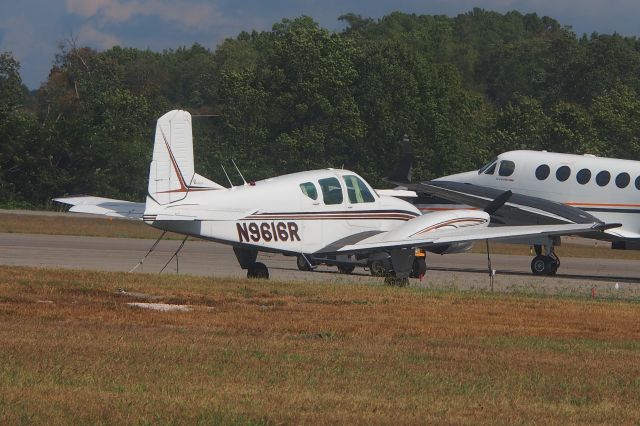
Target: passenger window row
584,176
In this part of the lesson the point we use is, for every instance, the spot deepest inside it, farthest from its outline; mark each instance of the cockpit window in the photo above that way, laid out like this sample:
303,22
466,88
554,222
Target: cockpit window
309,189
357,190
506,168
486,166
491,169
331,191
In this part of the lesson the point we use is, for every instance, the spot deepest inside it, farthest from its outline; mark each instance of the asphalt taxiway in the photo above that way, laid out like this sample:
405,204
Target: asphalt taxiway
463,271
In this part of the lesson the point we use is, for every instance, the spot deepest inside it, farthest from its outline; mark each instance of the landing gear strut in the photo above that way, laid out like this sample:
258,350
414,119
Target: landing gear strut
419,267
545,264
303,262
247,260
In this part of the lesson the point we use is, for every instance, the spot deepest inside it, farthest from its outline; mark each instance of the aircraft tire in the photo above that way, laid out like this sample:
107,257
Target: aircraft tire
419,267
545,265
302,263
346,269
258,271
377,268
552,265
539,265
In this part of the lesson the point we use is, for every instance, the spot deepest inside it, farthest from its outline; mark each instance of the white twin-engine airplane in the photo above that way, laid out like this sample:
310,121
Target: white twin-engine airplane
313,213
547,188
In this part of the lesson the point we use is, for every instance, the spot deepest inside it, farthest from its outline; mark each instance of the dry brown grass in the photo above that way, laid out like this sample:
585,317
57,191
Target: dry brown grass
72,351
70,225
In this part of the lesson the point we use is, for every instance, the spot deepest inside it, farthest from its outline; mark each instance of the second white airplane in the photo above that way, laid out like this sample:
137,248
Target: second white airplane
547,187
320,213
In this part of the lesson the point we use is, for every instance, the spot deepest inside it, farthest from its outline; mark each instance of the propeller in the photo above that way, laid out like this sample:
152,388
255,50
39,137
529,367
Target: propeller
498,202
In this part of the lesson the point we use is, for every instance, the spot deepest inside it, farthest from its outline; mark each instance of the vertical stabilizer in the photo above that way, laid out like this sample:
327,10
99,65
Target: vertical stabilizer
171,174
171,169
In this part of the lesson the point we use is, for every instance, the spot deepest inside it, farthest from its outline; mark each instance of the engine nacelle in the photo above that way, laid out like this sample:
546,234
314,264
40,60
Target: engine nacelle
421,226
450,248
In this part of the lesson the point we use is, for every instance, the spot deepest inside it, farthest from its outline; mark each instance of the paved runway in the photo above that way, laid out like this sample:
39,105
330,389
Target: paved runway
462,271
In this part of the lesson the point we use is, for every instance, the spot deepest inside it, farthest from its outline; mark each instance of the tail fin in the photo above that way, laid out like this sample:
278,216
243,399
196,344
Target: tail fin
402,172
171,174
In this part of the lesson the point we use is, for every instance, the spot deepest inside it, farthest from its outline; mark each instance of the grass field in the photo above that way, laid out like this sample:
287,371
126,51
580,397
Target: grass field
101,227
73,351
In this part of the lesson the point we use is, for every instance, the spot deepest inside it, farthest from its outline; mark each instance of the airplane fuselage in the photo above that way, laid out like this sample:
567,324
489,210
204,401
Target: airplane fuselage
301,212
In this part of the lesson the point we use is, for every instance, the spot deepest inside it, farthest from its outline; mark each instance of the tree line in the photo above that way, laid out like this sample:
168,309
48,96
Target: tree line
300,97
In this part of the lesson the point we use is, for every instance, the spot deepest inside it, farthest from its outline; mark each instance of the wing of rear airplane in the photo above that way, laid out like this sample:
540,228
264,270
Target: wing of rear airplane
519,210
103,206
388,240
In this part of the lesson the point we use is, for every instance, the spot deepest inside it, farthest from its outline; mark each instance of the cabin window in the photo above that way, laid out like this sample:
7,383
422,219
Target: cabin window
622,180
603,178
638,182
331,191
357,191
563,173
309,189
584,176
506,168
542,172
486,166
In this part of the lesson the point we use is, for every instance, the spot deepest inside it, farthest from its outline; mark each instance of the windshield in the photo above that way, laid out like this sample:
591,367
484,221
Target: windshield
357,190
486,166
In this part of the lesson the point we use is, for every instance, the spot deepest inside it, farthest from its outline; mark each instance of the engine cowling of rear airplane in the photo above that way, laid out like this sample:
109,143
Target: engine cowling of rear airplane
420,227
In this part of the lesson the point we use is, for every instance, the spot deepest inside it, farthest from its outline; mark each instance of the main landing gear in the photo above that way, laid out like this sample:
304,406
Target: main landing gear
404,263
247,260
545,264
258,270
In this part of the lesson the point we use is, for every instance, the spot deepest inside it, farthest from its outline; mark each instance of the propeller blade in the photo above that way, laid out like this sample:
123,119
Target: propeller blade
498,202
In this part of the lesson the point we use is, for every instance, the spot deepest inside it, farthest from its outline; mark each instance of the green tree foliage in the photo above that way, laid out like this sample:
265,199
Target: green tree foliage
21,156
616,116
298,97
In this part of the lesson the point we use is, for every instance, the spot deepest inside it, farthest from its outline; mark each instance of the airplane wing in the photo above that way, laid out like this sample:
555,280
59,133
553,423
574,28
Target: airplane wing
381,241
519,210
103,206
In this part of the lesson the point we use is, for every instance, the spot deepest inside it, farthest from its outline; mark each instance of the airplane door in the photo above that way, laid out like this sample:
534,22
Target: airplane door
311,229
333,210
359,203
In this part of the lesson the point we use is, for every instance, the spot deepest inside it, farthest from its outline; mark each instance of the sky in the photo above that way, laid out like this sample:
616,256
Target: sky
33,29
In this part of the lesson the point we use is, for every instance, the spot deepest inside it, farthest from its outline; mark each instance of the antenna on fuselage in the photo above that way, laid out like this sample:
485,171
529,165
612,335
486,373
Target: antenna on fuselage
234,165
225,173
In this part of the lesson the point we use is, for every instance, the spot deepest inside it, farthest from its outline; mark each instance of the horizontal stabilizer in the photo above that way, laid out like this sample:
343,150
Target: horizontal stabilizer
103,206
